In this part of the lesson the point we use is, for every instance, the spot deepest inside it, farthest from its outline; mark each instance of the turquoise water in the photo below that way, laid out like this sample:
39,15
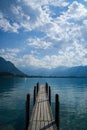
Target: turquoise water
73,101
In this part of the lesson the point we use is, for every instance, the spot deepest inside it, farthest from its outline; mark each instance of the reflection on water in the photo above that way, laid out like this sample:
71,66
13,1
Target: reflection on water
73,101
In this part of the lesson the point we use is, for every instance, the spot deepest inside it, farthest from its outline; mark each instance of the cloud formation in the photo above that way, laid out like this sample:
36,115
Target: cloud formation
9,54
55,32
38,43
5,24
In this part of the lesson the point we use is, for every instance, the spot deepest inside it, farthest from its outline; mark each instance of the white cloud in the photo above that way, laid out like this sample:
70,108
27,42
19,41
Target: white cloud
34,52
38,43
68,27
45,62
85,22
9,53
16,10
65,58
72,55
67,33
6,25
35,16
10,50
45,2
20,14
76,10
30,18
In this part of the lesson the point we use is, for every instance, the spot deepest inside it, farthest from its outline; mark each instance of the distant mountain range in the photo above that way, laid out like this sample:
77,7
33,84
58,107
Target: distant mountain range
77,71
8,69
62,71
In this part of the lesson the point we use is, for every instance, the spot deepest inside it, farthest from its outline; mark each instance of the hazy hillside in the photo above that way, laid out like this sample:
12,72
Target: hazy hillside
7,68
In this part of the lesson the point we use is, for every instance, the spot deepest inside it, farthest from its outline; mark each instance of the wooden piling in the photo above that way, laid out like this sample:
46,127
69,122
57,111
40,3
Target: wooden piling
49,95
37,87
57,110
47,88
27,111
34,98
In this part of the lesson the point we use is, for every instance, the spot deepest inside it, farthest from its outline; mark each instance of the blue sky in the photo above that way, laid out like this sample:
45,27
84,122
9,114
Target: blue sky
43,34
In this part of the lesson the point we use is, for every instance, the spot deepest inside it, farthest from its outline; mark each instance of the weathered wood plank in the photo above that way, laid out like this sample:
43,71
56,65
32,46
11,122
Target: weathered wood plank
42,112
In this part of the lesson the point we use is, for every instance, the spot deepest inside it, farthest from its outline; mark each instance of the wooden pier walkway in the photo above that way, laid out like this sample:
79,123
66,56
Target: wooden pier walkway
42,118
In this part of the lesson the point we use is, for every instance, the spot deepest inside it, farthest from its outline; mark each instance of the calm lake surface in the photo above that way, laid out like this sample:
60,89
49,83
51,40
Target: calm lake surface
73,101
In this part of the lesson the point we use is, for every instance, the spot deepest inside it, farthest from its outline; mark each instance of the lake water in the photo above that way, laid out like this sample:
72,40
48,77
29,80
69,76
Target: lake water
73,101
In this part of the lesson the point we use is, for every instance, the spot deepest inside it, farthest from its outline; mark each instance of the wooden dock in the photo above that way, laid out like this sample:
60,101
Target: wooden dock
42,118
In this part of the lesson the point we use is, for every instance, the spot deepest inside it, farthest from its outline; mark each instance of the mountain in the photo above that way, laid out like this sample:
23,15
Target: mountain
61,71
36,71
77,71
8,69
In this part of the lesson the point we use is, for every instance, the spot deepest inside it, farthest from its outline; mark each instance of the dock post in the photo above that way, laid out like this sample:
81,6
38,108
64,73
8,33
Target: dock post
57,110
47,88
34,94
49,95
27,110
37,87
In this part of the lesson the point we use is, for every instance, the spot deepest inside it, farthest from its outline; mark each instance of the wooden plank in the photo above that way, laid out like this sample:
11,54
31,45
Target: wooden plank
38,117
42,118
42,112
46,114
